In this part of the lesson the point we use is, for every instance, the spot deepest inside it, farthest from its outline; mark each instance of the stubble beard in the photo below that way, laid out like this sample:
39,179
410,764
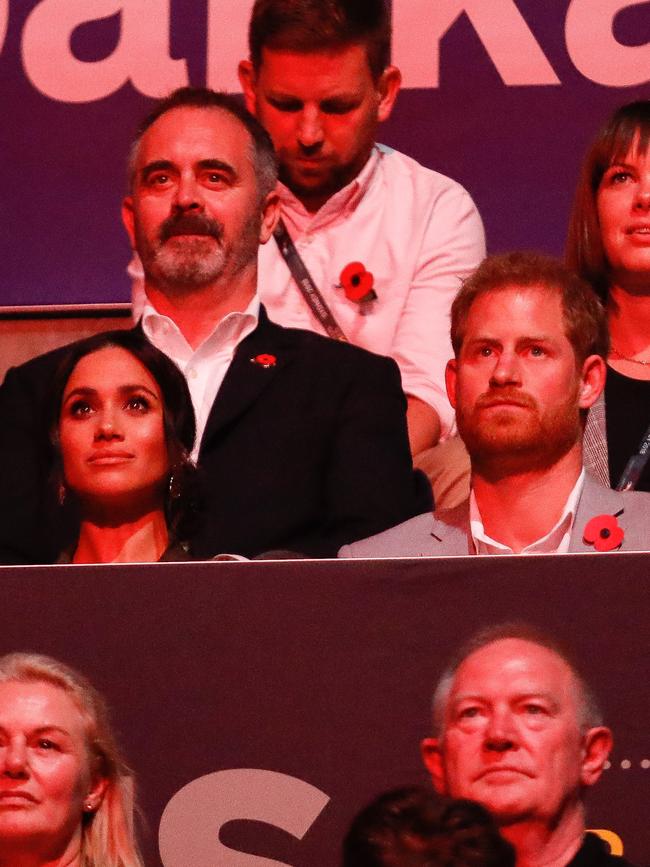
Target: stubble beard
321,184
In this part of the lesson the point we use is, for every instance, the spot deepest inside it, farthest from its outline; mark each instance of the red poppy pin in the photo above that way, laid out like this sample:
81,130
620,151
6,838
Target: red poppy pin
264,360
604,533
357,283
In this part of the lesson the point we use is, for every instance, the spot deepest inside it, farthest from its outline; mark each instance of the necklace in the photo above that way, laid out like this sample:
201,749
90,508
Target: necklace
627,357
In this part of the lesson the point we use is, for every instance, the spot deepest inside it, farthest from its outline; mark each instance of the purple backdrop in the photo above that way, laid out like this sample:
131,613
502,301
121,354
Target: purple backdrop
516,146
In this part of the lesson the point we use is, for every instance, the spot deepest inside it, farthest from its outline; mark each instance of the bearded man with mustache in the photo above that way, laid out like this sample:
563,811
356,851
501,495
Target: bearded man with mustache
301,441
530,341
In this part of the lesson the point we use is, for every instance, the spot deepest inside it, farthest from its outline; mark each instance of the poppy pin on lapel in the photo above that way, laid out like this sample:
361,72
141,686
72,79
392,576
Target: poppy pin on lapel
264,360
604,532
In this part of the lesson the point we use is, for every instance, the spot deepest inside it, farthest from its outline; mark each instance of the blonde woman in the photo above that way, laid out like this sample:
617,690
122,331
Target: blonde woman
65,792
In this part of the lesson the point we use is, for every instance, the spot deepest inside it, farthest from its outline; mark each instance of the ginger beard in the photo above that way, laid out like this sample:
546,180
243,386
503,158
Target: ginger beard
501,436
517,384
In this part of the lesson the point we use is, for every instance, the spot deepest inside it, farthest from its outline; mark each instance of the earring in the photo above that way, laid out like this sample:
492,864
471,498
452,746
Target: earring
88,807
174,489
62,493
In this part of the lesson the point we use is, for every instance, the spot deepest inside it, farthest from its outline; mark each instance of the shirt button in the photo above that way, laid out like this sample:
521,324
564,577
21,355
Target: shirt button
191,372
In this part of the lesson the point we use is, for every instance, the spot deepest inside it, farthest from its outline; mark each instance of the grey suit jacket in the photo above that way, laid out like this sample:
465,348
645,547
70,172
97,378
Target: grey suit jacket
594,442
447,533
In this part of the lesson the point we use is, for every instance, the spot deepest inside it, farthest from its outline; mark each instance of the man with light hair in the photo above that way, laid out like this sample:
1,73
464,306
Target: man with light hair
518,729
530,344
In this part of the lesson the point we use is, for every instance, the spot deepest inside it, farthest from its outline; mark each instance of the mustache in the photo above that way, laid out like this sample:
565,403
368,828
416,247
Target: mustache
512,396
190,224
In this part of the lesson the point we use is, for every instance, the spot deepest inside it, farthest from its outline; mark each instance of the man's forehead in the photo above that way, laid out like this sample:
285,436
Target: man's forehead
190,126
517,312
512,295
512,662
338,68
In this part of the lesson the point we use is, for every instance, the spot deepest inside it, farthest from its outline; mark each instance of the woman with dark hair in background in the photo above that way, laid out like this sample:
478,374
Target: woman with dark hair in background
609,246
66,796
122,428
414,827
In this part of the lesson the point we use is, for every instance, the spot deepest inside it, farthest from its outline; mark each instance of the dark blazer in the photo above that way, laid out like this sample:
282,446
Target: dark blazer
447,533
306,454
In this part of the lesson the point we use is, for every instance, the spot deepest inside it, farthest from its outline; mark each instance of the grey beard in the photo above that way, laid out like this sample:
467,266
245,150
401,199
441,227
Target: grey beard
189,268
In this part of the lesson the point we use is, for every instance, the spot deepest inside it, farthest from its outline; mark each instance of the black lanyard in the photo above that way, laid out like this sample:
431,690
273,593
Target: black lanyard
635,466
303,278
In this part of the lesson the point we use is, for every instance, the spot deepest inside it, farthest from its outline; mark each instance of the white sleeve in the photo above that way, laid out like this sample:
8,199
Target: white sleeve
453,244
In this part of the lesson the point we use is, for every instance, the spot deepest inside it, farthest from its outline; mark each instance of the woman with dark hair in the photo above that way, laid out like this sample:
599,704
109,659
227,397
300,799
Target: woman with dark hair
609,246
122,428
66,795
414,827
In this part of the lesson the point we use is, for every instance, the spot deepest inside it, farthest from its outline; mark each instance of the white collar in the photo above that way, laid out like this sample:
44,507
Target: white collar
345,199
556,540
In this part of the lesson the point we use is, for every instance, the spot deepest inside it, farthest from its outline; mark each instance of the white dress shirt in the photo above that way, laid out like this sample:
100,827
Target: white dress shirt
556,541
206,366
419,234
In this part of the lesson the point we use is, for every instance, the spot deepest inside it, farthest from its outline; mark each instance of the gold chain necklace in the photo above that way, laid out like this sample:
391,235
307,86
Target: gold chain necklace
627,357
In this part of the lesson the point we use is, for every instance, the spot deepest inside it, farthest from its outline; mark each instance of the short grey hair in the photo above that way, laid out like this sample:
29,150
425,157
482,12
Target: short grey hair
589,707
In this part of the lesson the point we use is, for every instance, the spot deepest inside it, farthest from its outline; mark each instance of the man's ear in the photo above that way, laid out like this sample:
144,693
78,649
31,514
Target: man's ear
592,381
596,748
270,216
128,218
388,88
451,372
432,758
247,79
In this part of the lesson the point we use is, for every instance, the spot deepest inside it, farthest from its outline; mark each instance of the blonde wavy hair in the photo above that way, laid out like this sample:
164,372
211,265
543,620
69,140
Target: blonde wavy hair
107,833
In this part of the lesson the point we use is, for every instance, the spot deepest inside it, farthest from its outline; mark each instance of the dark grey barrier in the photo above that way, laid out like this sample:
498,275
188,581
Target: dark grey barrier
293,692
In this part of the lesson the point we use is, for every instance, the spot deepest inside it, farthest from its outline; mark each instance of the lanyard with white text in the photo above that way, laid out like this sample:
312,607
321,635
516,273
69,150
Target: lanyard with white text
303,278
635,466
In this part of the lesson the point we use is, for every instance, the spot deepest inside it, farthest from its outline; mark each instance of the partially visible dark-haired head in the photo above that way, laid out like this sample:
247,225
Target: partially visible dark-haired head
321,25
262,151
627,130
414,827
178,415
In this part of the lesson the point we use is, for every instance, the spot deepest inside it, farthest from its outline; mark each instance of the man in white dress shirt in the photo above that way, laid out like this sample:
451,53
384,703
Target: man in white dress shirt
320,80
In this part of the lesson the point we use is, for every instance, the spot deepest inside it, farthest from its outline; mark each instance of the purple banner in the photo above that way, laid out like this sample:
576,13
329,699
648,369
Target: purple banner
263,704
502,95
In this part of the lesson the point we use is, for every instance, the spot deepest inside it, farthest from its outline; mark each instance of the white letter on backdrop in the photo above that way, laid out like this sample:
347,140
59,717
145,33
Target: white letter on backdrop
141,55
594,50
191,821
419,25
227,42
4,21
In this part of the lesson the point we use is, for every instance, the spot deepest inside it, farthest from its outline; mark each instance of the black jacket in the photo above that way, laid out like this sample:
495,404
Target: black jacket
594,852
306,454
